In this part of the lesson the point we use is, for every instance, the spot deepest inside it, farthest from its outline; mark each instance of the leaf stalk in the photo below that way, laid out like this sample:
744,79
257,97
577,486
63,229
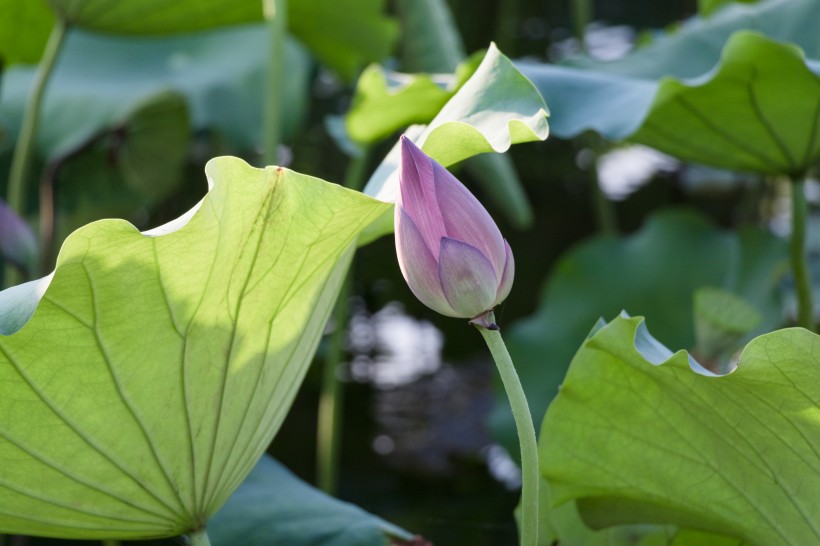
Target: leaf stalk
199,538
276,17
799,263
24,150
526,431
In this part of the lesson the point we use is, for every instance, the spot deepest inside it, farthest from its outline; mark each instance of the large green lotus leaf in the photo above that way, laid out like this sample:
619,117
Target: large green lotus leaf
756,111
653,272
24,29
221,73
367,35
760,111
158,366
639,434
496,108
273,506
563,525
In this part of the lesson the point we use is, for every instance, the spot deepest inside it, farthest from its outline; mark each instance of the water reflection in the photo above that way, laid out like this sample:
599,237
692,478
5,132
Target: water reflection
391,349
601,42
430,415
624,170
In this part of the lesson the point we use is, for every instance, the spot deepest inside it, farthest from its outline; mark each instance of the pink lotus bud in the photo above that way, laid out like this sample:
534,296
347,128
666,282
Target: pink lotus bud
450,251
18,244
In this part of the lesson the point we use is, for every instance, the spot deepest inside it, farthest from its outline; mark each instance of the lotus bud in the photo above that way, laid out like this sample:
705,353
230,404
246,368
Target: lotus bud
450,251
18,244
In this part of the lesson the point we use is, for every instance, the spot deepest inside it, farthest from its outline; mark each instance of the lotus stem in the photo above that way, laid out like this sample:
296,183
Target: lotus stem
526,431
800,268
276,15
23,152
331,397
582,13
199,538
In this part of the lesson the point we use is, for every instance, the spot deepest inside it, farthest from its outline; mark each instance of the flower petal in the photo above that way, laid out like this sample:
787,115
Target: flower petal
467,278
506,282
418,266
466,219
417,194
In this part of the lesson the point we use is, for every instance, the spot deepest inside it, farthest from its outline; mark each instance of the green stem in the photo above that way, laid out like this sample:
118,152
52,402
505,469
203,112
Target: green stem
581,17
604,208
276,16
199,538
111,543
331,398
23,152
526,431
800,269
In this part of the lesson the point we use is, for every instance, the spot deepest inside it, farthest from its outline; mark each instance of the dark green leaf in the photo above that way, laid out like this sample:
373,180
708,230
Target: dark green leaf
653,273
275,507
729,91
220,73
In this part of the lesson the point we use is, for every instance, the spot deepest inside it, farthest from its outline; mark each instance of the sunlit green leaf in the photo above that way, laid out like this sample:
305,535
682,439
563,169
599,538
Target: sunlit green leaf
273,506
708,7
654,273
24,29
639,434
496,108
432,43
385,102
157,367
563,525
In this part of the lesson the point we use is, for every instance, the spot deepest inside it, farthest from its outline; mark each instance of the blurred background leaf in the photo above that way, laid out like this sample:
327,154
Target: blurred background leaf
652,273
367,34
274,507
219,72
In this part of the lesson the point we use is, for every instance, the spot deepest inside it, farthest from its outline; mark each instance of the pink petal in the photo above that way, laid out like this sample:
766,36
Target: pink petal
465,219
417,194
418,266
507,277
467,278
